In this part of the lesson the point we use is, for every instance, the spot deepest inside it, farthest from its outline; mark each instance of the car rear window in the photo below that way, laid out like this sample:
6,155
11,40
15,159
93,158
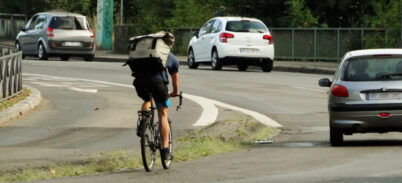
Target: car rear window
376,68
69,23
245,26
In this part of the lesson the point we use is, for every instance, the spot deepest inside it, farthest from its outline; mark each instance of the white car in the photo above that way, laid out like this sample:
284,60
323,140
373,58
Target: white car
232,41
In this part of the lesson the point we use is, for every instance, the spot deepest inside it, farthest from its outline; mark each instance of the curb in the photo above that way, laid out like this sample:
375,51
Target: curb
22,107
302,69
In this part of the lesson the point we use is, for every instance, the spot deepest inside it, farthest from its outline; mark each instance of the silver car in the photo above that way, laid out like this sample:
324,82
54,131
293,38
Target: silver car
57,34
366,94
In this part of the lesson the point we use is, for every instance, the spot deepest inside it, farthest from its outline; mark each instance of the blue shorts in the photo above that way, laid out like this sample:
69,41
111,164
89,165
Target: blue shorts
163,104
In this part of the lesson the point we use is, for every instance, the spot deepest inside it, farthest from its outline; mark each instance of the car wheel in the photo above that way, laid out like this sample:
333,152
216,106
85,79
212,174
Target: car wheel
267,65
242,67
335,136
65,57
18,47
216,62
89,58
191,60
42,52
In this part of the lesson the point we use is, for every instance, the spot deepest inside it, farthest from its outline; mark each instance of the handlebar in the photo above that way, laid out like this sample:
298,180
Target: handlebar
180,101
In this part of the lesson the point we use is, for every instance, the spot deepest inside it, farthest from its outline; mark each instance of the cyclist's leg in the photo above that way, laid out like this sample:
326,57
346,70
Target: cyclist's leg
162,114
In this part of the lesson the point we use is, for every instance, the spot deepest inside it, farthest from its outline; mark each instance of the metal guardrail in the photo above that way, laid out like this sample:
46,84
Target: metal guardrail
10,72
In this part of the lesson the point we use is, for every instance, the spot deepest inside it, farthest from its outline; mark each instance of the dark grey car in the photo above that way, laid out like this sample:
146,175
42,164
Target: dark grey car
57,34
365,94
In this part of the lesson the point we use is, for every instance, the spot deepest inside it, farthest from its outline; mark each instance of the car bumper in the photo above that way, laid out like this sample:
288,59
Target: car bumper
366,118
55,48
264,52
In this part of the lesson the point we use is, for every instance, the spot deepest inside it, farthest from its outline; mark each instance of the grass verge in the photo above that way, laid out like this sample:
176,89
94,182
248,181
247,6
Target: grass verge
15,99
221,137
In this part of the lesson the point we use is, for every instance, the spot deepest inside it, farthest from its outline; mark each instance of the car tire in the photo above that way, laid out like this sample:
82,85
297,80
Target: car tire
18,47
216,62
267,65
335,136
191,60
42,52
242,67
65,57
89,58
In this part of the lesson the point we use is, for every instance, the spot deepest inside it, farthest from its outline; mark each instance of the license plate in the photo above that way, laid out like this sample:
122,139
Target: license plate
384,96
76,44
249,50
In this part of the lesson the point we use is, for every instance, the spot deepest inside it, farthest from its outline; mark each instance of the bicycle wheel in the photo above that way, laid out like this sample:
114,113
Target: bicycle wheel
148,150
166,163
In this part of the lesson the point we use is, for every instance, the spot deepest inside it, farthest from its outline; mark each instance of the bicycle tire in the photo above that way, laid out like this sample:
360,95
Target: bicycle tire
148,151
167,163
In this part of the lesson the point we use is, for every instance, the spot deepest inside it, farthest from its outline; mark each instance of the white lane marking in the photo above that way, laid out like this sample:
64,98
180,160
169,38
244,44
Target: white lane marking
49,85
209,111
212,114
83,90
310,89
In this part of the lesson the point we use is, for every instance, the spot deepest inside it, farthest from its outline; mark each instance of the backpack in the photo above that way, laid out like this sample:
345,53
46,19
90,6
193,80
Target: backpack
149,53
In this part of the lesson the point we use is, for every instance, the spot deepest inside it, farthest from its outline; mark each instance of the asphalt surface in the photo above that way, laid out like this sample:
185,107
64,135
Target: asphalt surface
300,153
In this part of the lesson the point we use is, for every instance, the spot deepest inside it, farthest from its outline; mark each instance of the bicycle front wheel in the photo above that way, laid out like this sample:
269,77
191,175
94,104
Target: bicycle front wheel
167,162
148,150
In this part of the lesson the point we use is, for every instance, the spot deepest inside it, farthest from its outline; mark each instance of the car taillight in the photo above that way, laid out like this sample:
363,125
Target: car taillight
223,37
339,91
91,33
384,115
269,38
49,32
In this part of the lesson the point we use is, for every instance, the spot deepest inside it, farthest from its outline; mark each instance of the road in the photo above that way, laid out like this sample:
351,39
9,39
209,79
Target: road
69,122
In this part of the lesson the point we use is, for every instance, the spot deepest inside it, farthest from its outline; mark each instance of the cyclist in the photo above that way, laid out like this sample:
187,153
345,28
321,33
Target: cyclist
157,83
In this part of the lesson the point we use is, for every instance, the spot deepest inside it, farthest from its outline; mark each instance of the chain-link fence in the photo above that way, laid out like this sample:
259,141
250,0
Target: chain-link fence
324,43
308,43
10,72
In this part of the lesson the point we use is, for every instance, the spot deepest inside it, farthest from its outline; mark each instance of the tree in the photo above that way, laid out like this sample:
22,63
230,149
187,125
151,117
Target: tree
298,15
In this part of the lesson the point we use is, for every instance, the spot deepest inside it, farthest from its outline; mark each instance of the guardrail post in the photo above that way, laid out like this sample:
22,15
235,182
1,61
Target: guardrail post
293,44
338,49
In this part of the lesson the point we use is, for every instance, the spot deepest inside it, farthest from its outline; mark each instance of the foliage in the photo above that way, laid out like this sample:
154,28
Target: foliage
149,16
298,15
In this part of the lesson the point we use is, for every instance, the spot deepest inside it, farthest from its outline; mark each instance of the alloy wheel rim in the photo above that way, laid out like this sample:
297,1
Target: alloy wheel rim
40,51
214,59
191,58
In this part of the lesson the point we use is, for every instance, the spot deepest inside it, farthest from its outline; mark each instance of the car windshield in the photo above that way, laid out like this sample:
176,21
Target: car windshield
245,26
375,68
68,23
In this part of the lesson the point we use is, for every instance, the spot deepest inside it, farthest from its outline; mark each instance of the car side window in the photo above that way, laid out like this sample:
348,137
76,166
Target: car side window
40,22
32,23
206,29
216,27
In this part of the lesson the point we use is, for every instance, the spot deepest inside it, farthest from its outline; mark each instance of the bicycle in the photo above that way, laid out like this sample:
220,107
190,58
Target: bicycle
151,140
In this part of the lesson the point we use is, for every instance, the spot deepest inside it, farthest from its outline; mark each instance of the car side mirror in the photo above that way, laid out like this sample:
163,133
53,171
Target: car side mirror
196,33
325,82
22,29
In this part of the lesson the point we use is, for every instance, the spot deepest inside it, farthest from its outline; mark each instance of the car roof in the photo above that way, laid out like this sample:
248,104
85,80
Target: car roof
369,52
237,18
59,13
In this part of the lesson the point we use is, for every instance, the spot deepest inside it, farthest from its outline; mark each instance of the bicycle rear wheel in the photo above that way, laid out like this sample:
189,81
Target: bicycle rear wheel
166,163
148,150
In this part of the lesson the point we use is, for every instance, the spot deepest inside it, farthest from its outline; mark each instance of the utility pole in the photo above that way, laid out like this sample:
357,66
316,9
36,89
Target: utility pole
104,26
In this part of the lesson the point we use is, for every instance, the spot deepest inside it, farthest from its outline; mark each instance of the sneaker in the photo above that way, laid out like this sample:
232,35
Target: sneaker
166,155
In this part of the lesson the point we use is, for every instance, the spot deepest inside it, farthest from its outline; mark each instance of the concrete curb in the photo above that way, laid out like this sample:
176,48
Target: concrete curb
22,107
282,68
